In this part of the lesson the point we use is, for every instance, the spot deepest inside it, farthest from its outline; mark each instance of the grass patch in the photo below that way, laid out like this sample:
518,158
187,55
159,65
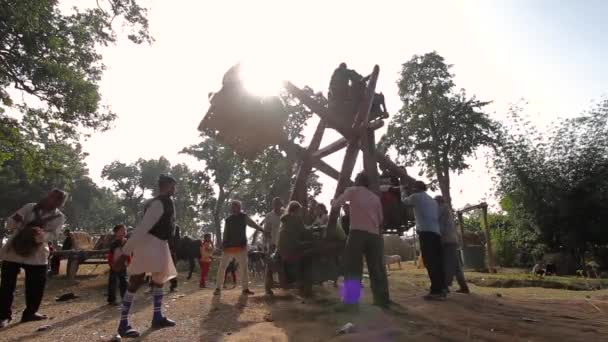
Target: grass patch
511,280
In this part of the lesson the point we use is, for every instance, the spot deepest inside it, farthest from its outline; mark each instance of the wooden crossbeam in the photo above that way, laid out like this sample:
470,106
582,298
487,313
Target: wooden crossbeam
473,207
342,142
347,132
331,148
320,165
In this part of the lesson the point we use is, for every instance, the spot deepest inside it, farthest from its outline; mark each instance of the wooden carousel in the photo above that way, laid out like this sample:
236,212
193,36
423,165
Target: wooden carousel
250,124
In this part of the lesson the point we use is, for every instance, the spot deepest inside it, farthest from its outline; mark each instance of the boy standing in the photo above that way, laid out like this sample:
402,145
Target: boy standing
118,262
206,258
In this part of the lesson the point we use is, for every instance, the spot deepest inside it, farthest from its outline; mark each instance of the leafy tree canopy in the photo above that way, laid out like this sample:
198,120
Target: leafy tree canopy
557,182
50,65
437,127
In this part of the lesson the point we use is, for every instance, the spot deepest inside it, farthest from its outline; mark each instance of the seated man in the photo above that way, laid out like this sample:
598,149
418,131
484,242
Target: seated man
291,250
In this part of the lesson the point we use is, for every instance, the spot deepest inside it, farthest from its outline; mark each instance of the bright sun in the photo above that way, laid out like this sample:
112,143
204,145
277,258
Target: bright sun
261,77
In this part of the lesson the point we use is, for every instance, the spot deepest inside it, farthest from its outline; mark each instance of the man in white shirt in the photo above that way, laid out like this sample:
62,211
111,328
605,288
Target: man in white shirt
151,255
43,221
426,213
364,239
272,223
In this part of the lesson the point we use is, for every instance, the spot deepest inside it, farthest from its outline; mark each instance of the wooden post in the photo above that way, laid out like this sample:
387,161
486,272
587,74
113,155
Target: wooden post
352,149
488,240
368,144
299,189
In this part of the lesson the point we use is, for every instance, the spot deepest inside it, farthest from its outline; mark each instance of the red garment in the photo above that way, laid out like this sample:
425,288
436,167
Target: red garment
204,272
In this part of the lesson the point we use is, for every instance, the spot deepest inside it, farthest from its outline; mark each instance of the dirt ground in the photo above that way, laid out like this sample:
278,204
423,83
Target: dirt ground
489,314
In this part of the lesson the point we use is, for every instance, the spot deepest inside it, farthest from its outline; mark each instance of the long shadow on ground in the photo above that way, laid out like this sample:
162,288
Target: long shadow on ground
223,319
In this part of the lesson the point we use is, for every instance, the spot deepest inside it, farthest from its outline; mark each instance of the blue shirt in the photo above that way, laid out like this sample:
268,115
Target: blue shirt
426,211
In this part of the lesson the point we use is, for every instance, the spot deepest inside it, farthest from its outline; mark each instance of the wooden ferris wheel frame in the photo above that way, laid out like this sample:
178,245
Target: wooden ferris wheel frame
358,135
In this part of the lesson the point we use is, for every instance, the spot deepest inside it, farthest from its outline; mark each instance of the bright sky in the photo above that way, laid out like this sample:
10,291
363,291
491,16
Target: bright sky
550,53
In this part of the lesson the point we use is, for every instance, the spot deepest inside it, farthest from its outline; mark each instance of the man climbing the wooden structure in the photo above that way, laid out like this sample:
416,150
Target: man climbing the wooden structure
151,254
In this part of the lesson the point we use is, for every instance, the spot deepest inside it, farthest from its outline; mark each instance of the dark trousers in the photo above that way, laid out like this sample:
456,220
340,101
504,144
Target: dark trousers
432,254
35,279
114,278
371,246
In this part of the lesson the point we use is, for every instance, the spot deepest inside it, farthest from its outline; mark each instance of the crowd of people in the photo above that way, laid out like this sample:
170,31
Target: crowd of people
149,250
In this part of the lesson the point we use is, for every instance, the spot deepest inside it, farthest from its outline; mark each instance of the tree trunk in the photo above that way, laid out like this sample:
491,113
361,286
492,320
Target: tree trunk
443,177
217,221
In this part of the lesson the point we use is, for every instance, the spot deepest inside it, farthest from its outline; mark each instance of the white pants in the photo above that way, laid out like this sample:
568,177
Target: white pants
241,259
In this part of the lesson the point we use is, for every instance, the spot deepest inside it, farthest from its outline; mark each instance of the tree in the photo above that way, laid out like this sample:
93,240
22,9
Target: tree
38,166
557,182
137,181
51,59
227,172
437,127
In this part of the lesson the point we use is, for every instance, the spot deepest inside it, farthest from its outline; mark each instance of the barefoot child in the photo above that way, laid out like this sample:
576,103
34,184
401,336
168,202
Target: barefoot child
206,258
118,262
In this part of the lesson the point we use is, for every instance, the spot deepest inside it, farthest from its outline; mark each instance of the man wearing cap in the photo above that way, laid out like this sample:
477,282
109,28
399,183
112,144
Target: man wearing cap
150,254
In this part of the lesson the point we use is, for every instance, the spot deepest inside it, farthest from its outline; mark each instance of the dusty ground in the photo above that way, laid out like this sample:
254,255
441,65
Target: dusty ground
490,314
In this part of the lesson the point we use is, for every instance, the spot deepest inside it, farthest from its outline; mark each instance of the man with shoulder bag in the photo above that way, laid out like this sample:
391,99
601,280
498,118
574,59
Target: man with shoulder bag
32,226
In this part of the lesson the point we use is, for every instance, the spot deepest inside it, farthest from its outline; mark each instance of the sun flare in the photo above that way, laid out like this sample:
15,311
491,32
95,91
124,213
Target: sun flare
261,77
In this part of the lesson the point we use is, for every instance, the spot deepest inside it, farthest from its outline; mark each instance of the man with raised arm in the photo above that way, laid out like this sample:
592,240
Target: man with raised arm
150,254
235,246
426,213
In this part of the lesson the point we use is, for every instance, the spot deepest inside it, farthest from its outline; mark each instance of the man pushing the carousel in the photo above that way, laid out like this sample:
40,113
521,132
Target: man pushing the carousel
150,250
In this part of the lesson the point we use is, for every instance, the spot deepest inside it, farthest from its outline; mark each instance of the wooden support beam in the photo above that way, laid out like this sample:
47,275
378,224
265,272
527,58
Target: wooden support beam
299,192
370,163
473,207
331,148
342,142
320,165
320,110
489,251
